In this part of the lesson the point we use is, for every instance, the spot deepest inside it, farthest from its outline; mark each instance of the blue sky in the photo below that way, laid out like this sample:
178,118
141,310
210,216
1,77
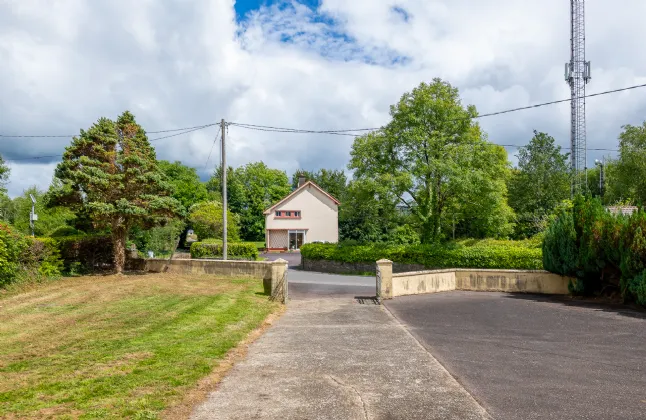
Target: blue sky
242,7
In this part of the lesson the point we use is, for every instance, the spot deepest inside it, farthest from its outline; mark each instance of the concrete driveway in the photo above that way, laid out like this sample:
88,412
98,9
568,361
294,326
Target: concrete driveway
334,358
533,357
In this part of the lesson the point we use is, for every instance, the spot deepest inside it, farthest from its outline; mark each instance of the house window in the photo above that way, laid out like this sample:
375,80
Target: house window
288,214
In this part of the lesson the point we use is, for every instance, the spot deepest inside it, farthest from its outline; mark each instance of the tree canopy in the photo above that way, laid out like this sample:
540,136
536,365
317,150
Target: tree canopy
250,190
435,160
331,180
206,220
111,172
630,173
187,188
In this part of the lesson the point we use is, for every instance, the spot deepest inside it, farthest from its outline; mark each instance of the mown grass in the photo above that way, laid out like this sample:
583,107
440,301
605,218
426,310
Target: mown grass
118,347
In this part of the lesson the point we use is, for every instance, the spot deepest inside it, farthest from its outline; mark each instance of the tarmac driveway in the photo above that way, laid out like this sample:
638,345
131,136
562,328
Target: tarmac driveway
535,357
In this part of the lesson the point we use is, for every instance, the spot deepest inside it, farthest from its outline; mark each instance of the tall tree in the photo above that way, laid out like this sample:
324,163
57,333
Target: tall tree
187,188
331,180
432,153
541,182
111,171
630,174
250,190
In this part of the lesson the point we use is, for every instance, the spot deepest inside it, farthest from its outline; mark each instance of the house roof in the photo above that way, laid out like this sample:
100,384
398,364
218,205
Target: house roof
299,189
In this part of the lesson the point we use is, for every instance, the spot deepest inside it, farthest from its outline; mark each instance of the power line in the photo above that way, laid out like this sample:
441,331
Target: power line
215,140
490,114
37,136
150,140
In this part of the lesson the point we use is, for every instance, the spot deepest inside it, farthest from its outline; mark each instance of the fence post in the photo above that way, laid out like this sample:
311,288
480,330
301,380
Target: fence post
384,279
279,281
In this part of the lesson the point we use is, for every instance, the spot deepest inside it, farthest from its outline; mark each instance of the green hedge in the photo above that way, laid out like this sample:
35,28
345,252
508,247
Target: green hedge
605,252
237,251
466,254
26,258
86,253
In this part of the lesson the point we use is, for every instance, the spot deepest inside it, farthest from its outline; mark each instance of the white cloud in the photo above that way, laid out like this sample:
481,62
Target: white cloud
66,63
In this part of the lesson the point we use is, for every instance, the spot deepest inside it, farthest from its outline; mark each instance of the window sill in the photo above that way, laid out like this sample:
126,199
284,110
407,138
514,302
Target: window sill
287,217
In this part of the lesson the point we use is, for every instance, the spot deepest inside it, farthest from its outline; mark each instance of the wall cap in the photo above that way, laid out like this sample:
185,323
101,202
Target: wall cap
279,261
384,262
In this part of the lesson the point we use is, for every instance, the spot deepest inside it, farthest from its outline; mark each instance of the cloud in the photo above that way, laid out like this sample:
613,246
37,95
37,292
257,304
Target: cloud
341,65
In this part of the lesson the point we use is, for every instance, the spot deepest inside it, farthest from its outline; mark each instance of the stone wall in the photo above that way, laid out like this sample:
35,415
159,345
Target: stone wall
337,267
272,273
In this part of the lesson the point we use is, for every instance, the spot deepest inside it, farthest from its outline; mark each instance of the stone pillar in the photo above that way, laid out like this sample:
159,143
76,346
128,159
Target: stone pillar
385,279
279,280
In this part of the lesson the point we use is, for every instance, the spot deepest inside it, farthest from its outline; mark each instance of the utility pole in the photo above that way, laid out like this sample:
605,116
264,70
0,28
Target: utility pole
577,75
32,215
224,192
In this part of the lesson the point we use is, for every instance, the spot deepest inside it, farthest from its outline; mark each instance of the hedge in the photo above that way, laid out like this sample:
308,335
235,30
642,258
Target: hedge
26,258
605,252
86,253
237,251
480,254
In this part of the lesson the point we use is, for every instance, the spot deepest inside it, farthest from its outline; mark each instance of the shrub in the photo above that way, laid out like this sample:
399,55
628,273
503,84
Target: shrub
503,255
85,254
22,257
241,251
63,231
12,251
601,249
206,220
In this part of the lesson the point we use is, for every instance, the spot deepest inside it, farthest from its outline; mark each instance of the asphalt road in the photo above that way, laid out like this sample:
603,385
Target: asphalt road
534,357
309,285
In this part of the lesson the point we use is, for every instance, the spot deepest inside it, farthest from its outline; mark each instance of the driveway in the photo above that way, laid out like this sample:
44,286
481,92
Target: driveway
533,357
335,358
292,258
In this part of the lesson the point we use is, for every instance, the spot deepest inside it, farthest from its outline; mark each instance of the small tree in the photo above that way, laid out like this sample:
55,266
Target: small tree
111,172
206,220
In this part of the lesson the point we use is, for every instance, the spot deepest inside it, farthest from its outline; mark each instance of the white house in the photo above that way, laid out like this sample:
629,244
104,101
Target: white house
308,214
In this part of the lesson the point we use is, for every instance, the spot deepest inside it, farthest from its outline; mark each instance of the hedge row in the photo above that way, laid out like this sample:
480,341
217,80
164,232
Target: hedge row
86,253
23,257
501,254
237,251
603,251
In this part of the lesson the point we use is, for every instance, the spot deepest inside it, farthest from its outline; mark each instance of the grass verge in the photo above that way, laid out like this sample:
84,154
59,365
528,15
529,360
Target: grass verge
115,347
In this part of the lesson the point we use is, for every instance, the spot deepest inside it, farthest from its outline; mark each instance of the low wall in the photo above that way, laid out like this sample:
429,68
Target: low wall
526,281
338,267
272,273
433,281
423,282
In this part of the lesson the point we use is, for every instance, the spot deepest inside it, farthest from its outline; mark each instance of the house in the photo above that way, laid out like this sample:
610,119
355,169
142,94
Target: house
625,210
308,214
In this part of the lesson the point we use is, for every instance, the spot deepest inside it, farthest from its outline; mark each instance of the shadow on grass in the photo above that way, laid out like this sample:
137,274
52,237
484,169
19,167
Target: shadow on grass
599,304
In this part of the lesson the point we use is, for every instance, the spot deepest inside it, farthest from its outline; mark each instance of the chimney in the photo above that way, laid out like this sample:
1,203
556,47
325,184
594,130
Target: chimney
301,180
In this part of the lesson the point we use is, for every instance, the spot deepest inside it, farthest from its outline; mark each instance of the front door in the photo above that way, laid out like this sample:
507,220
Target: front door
296,239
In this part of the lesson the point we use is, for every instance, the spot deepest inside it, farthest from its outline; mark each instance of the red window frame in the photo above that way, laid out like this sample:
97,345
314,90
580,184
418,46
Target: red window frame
283,214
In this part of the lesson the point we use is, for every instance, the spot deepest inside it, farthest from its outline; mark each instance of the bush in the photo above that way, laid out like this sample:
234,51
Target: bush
86,254
502,254
600,249
206,220
22,257
63,231
12,251
236,251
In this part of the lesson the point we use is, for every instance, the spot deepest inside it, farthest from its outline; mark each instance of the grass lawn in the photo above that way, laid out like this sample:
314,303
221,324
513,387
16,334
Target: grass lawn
115,347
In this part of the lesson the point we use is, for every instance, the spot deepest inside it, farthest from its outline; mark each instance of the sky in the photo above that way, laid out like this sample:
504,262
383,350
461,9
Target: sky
318,65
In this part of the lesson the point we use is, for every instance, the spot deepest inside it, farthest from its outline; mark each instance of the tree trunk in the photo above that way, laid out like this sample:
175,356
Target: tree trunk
119,233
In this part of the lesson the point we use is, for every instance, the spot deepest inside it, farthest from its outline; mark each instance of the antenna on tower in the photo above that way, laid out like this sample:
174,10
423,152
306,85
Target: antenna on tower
577,74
